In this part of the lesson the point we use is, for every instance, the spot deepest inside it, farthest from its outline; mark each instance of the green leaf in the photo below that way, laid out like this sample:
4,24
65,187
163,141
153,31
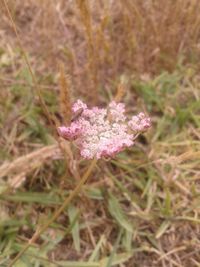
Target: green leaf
94,193
95,253
118,214
117,259
73,217
30,197
78,264
161,230
21,263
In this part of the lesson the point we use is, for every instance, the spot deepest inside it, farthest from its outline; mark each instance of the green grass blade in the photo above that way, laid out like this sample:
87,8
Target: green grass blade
73,214
118,214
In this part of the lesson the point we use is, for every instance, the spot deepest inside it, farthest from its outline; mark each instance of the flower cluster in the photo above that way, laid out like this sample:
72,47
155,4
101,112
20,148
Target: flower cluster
100,132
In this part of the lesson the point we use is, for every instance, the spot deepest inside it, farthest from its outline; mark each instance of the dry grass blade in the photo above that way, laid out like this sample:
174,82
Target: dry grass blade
173,251
28,163
189,155
65,96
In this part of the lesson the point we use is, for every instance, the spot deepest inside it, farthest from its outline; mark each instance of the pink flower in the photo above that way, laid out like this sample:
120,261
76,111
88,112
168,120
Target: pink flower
78,105
70,133
100,132
139,123
117,111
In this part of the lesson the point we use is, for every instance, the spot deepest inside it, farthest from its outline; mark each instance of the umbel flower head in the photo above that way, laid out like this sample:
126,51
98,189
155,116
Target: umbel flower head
100,132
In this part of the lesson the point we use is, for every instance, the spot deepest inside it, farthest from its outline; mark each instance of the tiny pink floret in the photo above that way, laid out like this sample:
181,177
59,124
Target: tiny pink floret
139,123
117,111
70,133
78,105
100,132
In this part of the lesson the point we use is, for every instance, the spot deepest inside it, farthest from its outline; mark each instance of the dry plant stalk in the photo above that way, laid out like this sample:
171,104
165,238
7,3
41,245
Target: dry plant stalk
65,96
66,113
65,204
28,163
83,6
189,155
86,17
121,89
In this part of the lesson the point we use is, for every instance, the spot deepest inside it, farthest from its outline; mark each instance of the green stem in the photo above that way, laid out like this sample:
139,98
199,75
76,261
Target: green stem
57,213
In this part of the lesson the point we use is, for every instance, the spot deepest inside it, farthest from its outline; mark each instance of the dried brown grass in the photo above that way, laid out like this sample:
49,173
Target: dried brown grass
27,163
98,41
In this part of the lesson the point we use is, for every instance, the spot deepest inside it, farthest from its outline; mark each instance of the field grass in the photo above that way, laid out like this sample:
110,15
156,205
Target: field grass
140,209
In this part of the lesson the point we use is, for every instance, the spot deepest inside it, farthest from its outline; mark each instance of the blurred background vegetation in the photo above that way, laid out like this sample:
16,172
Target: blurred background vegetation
141,209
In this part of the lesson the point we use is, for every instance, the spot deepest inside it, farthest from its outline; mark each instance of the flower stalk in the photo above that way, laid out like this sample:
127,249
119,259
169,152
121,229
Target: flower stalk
57,212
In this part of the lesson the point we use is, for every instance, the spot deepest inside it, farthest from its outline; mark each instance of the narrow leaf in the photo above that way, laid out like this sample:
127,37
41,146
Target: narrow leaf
118,214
